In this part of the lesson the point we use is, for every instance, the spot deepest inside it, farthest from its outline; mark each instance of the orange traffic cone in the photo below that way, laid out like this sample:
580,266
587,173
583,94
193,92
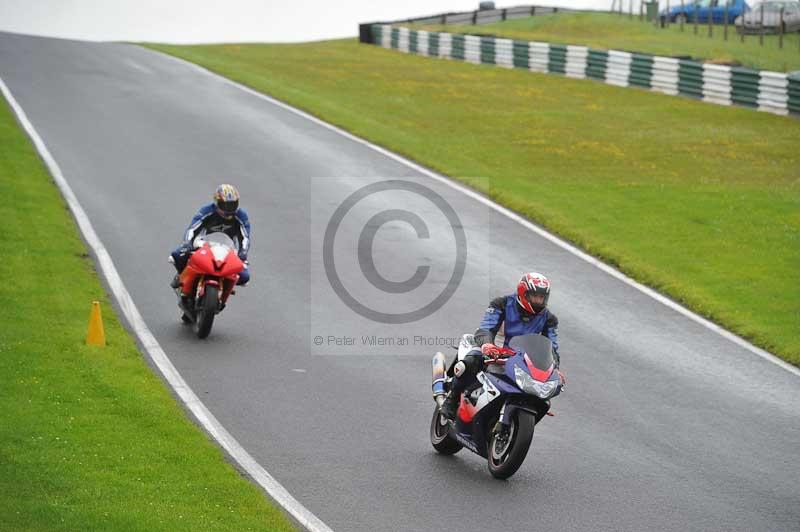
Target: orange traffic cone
96,335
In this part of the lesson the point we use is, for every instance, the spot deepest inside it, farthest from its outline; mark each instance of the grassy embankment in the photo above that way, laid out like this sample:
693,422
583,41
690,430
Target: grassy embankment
699,201
90,438
604,31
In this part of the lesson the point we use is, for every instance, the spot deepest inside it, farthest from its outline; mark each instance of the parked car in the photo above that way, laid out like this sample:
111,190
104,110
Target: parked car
705,9
750,22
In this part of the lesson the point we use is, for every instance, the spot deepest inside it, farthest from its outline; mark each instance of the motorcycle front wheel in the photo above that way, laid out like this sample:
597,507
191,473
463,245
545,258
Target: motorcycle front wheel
207,309
508,451
440,435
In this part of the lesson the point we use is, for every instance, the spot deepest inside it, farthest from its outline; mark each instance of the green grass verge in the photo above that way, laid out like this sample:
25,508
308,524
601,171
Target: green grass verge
90,438
604,31
700,201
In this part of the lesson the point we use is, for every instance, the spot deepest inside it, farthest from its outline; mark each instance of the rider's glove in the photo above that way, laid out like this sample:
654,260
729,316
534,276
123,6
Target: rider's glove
490,350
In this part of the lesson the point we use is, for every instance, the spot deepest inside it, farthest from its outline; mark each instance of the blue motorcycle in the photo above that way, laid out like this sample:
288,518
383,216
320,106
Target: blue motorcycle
497,414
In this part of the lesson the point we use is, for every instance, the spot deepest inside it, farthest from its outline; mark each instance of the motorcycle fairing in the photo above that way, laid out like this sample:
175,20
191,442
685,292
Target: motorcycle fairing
205,260
473,423
504,383
200,261
465,410
538,374
477,431
477,398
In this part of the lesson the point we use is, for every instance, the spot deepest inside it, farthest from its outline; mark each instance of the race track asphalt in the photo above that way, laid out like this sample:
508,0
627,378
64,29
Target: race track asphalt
665,425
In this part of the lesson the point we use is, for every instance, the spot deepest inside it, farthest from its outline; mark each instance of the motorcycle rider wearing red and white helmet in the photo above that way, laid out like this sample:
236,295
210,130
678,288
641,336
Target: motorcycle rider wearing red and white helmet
524,312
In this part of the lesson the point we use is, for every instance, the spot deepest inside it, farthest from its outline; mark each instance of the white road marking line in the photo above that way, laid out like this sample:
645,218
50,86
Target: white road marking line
136,66
275,490
741,342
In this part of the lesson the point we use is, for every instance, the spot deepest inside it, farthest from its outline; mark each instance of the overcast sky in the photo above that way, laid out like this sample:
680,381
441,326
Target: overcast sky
192,21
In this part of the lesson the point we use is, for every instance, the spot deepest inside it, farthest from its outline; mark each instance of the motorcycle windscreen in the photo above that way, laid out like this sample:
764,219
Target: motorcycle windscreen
538,348
219,238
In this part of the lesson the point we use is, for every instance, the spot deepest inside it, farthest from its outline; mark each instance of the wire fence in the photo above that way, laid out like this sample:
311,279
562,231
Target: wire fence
729,16
483,16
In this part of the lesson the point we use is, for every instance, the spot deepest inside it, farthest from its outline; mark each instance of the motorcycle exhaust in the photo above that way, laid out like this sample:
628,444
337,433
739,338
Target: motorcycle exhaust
439,378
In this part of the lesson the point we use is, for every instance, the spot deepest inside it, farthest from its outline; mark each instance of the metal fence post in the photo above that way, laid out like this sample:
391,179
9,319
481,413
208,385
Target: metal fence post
694,16
744,14
444,19
710,22
504,13
780,35
641,11
630,9
761,23
666,16
474,17
533,11
727,3
683,14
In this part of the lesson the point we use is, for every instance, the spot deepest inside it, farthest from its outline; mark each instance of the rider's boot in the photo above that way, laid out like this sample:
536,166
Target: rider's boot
453,397
176,281
462,377
450,405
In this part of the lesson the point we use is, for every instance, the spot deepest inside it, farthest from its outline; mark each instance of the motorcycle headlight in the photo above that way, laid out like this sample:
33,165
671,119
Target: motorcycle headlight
219,252
543,390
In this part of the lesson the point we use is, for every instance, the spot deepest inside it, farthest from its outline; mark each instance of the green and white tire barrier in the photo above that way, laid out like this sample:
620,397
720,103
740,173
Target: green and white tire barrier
773,92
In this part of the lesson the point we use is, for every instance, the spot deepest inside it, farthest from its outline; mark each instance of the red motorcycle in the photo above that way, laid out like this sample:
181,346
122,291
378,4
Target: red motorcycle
208,280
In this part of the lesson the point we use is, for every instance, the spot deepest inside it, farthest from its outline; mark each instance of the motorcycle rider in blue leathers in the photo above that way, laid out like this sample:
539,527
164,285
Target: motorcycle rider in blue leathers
223,215
525,312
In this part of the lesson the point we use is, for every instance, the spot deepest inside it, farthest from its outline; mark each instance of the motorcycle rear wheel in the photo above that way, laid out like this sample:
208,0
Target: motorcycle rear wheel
206,311
440,435
505,457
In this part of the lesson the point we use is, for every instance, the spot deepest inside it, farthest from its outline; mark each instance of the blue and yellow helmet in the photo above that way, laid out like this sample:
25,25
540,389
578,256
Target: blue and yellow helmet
226,199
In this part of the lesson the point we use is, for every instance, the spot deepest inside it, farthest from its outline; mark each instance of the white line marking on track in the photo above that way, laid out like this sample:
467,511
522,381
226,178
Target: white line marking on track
741,342
275,490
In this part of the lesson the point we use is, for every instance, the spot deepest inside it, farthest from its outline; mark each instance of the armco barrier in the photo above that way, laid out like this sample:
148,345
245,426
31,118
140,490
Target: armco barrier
773,92
618,68
794,93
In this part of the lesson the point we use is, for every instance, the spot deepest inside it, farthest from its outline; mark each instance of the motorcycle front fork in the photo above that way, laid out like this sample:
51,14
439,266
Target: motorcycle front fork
504,421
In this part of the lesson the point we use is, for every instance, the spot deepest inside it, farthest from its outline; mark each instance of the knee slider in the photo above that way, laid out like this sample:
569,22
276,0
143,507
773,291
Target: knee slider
459,368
